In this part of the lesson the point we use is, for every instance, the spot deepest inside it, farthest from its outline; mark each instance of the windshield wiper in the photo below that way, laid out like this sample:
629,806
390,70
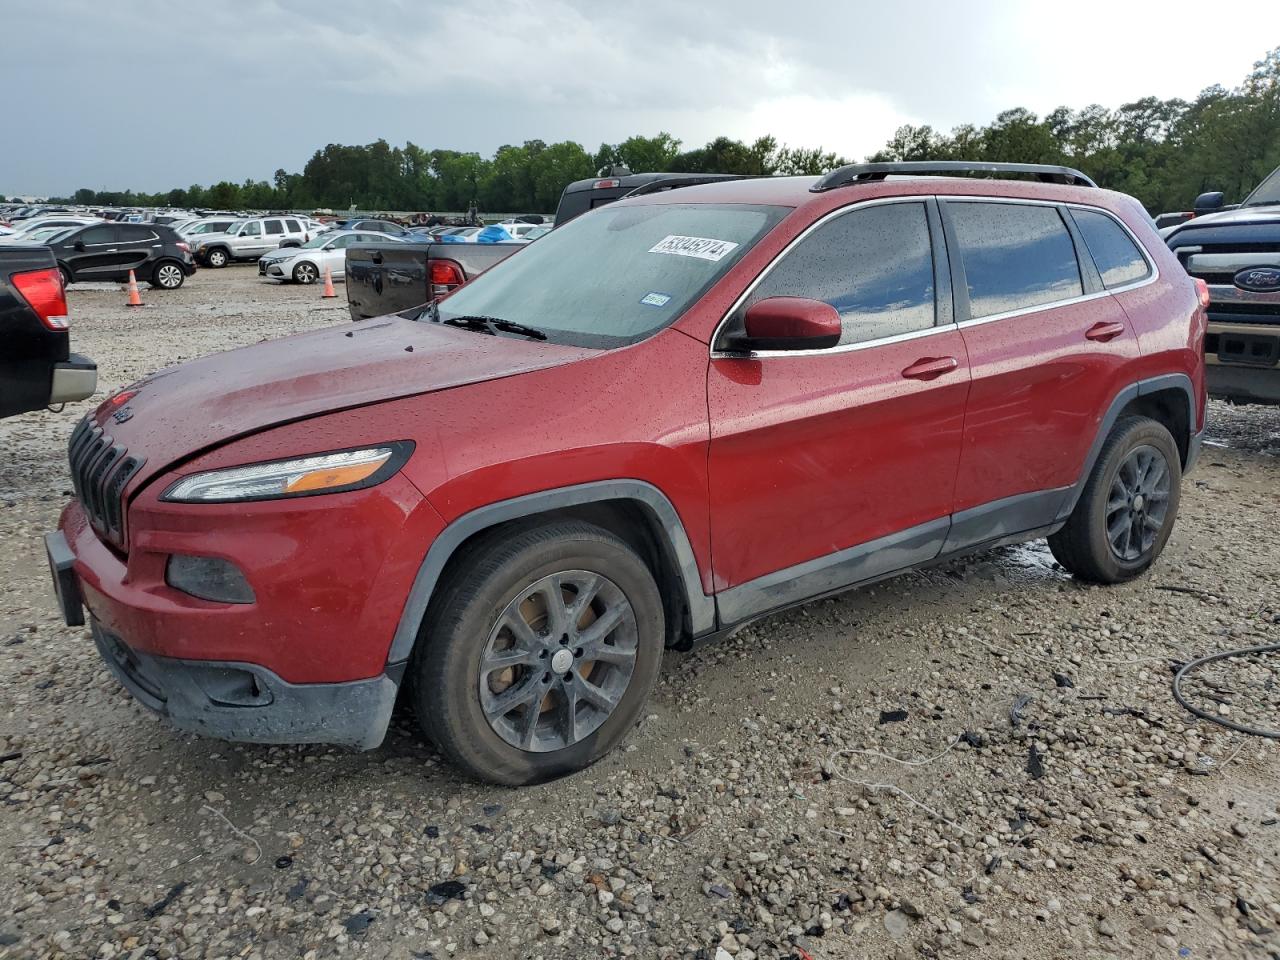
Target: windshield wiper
491,325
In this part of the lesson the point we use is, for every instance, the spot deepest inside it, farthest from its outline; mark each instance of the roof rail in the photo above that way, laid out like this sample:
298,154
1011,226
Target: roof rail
870,172
684,180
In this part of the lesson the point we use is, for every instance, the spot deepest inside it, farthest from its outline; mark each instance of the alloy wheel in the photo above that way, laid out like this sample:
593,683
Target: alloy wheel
305,273
1138,503
169,276
558,661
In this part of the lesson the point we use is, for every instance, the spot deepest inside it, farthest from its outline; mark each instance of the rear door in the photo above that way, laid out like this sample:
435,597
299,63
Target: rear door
1049,348
137,243
832,466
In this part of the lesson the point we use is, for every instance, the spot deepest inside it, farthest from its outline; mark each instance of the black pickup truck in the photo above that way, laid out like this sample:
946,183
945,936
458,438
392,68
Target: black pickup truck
37,367
1236,251
391,277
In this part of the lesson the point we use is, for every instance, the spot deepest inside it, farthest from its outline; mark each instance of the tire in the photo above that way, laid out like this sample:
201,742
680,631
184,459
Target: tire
305,273
1118,528
168,275
217,257
479,712
66,276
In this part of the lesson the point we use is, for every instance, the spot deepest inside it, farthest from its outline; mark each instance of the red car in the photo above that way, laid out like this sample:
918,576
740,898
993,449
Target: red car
673,415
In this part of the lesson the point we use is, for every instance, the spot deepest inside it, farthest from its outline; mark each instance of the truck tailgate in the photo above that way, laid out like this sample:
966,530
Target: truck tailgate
387,278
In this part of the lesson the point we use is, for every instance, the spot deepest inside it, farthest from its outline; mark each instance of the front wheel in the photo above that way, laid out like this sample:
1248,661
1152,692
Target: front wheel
168,276
1126,513
66,276
305,273
540,653
217,258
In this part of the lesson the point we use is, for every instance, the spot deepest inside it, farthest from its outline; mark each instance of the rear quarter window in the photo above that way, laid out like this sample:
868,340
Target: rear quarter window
1117,257
1015,256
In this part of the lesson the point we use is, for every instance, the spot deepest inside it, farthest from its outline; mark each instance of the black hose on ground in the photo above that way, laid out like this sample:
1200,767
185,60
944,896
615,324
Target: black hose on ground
1212,717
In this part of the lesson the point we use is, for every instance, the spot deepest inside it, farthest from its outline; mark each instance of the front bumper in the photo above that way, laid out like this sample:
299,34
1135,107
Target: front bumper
248,703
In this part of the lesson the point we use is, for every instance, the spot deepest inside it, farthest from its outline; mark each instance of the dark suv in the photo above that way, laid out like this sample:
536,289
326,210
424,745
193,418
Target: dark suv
108,251
673,415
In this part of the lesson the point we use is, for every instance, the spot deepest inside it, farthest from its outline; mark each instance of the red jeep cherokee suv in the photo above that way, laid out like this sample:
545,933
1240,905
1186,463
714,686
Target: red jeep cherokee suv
667,418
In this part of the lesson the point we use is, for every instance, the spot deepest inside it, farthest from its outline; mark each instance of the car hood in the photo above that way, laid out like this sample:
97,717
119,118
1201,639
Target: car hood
193,407
1260,214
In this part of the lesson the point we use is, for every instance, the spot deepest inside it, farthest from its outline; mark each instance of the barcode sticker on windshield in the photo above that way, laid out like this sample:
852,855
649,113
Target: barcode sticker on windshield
703,248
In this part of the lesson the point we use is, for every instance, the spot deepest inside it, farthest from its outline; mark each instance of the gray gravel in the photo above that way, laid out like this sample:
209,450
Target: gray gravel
1055,801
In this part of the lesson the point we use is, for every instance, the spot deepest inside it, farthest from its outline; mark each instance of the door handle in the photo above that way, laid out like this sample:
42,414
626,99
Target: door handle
930,368
1104,331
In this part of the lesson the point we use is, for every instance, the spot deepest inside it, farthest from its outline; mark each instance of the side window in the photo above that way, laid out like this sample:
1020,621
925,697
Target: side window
136,234
341,243
1116,255
874,265
253,229
98,235
274,228
293,226
1015,256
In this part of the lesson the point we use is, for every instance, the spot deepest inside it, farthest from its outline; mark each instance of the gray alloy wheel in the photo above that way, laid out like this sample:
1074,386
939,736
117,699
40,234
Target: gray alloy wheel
169,276
1138,502
558,661
305,272
217,258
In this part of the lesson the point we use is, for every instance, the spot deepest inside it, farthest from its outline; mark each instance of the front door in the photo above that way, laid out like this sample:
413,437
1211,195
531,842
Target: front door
90,252
1048,348
828,467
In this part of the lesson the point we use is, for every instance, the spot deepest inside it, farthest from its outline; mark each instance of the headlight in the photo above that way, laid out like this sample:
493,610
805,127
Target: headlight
302,477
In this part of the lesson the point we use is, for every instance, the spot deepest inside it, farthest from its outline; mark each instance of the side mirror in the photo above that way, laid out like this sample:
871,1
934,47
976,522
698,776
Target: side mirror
789,323
79,245
1208,202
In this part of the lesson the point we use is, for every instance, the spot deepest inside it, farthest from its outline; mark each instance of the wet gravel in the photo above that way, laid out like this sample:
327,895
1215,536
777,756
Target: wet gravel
980,760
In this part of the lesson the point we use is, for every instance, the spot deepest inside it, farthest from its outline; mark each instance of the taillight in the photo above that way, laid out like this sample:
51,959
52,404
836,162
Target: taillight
445,276
43,290
1202,290
182,245
606,184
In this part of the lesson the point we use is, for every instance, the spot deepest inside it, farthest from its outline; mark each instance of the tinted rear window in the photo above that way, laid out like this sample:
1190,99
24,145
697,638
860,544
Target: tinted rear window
1016,256
1117,257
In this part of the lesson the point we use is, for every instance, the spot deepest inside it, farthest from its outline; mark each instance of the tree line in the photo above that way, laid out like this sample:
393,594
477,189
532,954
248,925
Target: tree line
1164,152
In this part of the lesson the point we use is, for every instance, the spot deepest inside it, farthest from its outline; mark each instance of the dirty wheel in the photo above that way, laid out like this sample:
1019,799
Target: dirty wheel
217,258
305,273
1126,513
541,653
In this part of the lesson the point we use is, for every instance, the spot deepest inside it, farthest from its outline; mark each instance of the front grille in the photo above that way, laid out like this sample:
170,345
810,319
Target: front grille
100,469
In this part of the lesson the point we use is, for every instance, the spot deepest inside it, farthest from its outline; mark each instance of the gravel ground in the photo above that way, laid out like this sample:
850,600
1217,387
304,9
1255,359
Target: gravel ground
980,760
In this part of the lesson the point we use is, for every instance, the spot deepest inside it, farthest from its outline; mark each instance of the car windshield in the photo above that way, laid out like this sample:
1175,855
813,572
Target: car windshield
317,241
618,274
1266,193
235,226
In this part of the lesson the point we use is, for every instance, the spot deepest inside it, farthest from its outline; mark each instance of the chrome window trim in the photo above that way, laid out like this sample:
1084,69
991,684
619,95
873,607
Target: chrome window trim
1152,277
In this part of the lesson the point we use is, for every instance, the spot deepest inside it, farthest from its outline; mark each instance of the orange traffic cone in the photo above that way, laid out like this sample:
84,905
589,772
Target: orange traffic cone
328,285
134,299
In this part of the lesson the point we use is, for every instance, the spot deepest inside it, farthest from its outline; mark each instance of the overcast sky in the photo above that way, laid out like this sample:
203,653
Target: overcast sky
153,94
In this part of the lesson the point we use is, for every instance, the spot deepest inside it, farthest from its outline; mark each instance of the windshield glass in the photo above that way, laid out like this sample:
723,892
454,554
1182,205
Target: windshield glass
235,226
1267,192
617,275
319,241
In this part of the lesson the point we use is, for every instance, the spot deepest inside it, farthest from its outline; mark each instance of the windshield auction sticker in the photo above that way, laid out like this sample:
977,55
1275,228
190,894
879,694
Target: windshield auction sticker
703,248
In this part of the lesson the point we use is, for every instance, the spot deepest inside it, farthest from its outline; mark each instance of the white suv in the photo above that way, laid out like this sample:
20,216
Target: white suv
250,239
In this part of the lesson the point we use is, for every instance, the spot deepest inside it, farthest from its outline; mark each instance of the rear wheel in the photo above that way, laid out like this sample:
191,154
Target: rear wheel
66,275
217,258
167,275
1126,513
541,654
305,272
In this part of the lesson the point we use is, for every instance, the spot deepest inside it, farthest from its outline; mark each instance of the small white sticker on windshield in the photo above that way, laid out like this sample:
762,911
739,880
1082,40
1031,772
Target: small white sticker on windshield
655,299
703,248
